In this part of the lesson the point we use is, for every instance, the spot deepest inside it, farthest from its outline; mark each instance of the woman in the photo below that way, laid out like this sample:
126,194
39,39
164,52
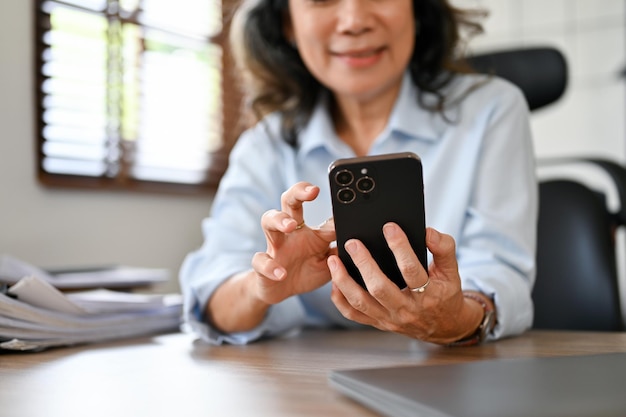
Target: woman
331,79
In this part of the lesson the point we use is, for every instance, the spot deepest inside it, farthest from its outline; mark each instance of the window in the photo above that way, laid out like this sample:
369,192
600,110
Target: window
131,94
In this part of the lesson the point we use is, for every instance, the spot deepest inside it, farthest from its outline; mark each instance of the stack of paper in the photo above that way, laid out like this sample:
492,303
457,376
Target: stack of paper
113,276
35,315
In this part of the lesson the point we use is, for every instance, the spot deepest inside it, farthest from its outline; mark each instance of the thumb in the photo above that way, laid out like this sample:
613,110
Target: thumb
326,230
443,248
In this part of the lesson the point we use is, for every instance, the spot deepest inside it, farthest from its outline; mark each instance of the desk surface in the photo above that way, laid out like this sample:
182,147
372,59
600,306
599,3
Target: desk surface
174,375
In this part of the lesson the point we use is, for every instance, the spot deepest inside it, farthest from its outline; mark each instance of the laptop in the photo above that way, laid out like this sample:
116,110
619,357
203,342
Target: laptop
565,386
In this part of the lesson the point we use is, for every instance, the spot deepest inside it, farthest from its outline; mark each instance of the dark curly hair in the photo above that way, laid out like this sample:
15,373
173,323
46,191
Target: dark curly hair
276,79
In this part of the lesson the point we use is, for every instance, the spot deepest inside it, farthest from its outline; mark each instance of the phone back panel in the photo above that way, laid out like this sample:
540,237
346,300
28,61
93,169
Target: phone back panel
368,192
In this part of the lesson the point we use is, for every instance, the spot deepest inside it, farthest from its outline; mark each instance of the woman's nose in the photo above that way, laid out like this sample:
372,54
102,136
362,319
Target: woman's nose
354,16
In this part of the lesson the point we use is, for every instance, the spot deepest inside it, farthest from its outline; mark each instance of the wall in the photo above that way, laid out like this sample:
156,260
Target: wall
57,228
60,228
591,118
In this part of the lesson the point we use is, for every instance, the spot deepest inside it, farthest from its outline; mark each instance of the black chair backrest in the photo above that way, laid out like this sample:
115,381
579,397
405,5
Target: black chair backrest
577,275
541,72
576,286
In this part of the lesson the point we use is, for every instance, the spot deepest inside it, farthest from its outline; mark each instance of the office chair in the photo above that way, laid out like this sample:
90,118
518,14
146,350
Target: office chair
578,269
540,72
576,286
607,180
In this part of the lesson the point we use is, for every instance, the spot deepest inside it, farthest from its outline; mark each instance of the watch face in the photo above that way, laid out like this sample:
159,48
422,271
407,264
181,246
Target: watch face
487,324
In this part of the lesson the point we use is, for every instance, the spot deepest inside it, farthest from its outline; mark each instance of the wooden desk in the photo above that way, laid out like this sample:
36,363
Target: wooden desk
173,375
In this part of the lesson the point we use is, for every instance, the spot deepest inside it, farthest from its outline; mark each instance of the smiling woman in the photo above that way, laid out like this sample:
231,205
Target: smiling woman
335,79
132,94
358,50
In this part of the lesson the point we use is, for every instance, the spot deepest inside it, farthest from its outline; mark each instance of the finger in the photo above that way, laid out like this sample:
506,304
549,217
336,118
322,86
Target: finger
347,310
277,221
276,225
411,268
379,287
328,224
292,199
264,265
345,289
326,230
443,248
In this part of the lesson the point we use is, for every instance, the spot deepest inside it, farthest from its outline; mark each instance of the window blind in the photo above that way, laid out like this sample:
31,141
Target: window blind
130,92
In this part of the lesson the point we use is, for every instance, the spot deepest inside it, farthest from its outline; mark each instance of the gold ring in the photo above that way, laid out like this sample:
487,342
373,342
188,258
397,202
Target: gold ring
422,288
300,226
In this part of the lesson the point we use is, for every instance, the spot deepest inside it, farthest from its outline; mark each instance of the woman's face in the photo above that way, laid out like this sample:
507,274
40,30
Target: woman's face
357,48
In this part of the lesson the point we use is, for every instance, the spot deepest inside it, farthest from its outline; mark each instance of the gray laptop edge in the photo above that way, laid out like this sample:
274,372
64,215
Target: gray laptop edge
567,386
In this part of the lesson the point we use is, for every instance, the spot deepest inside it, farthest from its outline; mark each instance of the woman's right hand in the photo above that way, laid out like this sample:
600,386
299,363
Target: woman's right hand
294,263
295,259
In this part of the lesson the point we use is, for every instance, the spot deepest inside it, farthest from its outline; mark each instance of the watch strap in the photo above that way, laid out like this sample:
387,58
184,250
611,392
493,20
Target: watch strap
485,325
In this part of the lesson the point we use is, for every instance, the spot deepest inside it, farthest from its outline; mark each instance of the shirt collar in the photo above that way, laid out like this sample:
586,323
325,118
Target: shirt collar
407,119
319,132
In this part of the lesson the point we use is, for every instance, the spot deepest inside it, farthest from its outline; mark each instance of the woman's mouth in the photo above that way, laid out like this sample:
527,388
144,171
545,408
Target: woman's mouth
360,58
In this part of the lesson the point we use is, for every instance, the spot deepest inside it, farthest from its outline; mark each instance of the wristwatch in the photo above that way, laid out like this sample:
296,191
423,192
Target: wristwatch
485,326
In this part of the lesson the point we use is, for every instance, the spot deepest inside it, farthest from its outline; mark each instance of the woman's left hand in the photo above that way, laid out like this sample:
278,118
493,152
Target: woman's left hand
439,314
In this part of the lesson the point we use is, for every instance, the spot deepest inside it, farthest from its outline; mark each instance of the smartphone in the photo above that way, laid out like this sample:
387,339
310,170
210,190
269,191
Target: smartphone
368,192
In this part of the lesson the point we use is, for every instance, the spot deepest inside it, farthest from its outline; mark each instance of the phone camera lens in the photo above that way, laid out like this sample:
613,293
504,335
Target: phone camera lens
344,177
365,184
346,195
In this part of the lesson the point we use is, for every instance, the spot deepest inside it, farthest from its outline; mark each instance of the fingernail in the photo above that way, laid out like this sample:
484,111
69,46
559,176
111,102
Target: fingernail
389,230
309,188
324,223
351,246
332,264
286,222
279,273
435,237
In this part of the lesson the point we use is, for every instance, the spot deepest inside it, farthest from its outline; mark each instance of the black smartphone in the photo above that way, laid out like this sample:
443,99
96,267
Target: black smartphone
368,192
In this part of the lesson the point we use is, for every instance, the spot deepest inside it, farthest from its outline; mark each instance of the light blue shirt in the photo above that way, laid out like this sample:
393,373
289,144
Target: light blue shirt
479,184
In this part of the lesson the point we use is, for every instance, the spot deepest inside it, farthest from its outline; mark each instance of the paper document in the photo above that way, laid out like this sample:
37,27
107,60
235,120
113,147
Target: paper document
35,315
115,276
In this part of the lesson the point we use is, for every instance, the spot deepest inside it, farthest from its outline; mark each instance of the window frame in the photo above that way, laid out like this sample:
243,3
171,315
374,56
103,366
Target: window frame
231,98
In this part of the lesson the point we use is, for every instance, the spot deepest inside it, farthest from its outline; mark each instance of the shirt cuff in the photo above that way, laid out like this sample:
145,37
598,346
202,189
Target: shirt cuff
512,301
280,319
